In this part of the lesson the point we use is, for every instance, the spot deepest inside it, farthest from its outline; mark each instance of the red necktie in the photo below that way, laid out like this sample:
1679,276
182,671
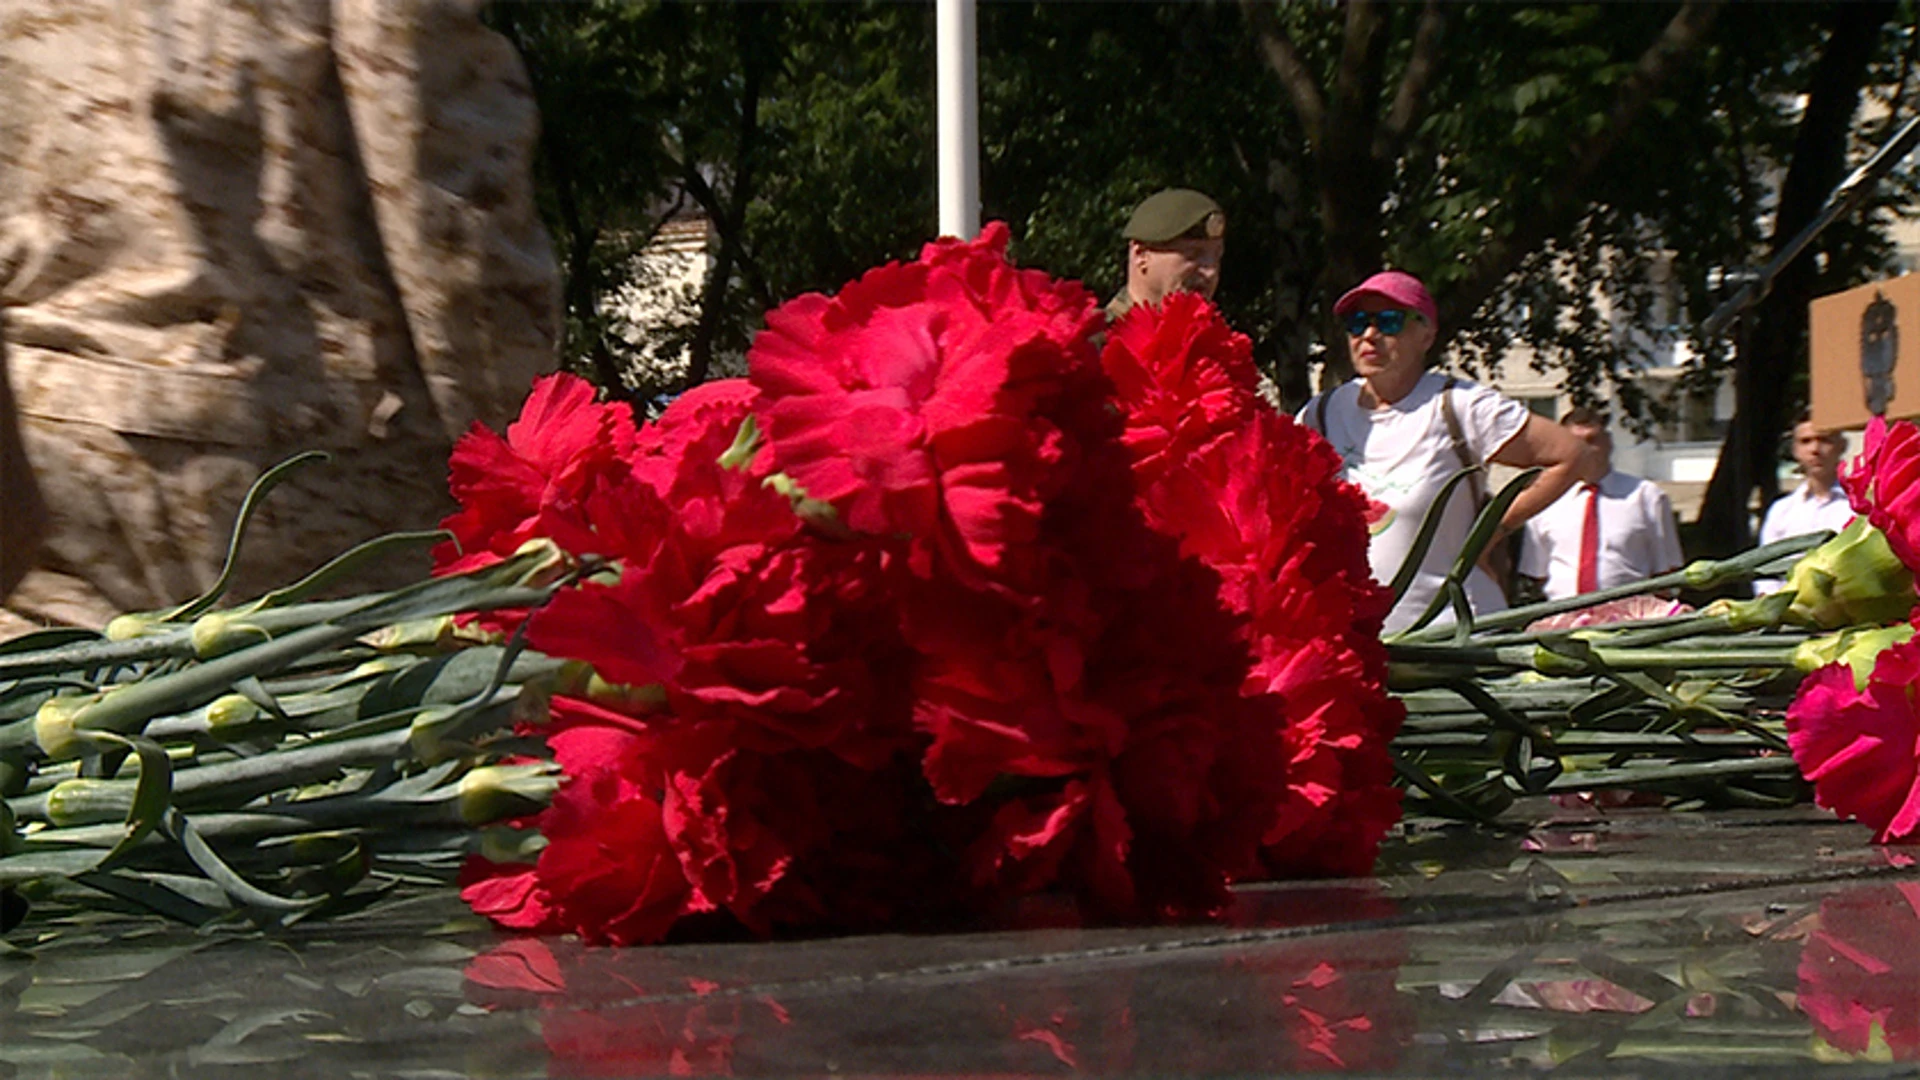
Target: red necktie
1590,542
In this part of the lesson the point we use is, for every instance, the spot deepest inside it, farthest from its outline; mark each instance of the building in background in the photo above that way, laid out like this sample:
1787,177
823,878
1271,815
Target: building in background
656,308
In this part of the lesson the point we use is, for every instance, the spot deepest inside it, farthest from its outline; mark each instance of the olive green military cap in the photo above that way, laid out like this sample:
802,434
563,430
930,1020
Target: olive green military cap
1169,215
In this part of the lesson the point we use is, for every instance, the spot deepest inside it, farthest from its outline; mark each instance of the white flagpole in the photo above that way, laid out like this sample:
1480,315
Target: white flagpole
959,119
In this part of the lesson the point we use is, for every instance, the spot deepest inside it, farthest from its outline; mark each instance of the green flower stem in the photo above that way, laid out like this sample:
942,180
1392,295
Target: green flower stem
1553,698
1704,628
1452,589
1705,574
1743,657
343,701
1431,662
344,565
169,641
307,712
233,784
1712,744
96,654
371,817
230,785
1667,772
126,709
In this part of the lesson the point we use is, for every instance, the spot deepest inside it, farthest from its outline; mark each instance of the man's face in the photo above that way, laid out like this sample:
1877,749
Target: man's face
1156,271
1376,353
1596,436
1817,452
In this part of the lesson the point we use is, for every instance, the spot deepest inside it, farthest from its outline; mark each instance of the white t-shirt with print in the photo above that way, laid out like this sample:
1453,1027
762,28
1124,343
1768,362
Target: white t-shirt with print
1402,455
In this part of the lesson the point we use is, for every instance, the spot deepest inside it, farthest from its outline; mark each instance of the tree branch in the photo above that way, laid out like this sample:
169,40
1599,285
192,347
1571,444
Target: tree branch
696,186
1503,254
1308,101
1410,98
1356,83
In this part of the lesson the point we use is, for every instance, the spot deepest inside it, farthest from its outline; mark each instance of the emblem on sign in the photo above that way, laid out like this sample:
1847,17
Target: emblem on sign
1879,346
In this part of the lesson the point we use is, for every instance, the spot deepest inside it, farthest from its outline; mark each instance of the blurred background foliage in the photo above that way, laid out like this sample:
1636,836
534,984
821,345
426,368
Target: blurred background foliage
1587,180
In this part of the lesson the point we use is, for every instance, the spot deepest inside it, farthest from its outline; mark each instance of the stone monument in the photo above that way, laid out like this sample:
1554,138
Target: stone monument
232,232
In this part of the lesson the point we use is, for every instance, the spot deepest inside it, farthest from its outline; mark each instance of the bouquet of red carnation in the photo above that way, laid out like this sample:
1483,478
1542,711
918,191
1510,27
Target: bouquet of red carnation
940,605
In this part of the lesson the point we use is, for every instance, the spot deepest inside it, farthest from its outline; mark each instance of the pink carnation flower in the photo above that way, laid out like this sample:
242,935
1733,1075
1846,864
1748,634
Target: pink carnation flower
1626,609
1858,746
1884,484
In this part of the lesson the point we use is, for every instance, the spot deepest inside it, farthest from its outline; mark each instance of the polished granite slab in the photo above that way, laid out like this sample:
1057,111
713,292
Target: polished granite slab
1631,943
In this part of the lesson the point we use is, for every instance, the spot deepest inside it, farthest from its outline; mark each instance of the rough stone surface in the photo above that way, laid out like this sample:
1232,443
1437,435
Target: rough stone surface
22,518
230,232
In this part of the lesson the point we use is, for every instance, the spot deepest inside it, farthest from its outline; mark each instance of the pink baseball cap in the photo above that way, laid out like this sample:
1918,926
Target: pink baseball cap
1395,285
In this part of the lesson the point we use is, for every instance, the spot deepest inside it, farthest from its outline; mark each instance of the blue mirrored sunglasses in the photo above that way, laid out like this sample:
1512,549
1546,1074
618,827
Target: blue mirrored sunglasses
1390,321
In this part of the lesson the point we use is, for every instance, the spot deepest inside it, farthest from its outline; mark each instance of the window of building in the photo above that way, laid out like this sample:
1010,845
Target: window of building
1547,405
1691,415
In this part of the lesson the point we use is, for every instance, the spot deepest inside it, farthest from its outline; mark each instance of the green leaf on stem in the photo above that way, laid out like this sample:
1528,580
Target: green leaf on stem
255,495
152,792
243,892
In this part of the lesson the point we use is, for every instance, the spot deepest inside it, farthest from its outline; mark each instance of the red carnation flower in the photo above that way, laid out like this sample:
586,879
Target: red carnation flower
536,481
724,600
1117,636
1884,484
794,644
915,401
1340,794
1263,506
1152,780
1183,376
1857,746
715,504
608,872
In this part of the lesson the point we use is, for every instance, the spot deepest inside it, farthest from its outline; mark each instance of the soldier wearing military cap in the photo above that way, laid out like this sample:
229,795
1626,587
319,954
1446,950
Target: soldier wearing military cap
1174,243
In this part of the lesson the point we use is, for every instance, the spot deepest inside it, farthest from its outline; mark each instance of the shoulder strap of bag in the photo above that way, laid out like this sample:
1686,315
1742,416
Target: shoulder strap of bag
1320,413
1476,482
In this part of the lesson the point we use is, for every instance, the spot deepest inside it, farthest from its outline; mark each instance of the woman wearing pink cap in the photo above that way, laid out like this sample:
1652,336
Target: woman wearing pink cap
1404,430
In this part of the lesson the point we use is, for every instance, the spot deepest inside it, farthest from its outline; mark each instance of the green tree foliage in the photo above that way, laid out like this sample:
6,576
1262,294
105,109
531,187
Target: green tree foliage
1088,108
1584,179
800,133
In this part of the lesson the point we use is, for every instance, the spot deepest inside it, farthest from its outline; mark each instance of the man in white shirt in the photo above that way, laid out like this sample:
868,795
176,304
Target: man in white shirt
1617,530
1817,503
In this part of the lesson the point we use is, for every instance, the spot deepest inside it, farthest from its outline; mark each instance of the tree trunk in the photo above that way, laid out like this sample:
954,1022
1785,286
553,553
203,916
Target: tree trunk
1775,338
1352,183
1286,348
730,222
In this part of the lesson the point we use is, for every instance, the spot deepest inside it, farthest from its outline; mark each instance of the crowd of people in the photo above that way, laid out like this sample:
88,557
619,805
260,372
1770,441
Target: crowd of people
1404,430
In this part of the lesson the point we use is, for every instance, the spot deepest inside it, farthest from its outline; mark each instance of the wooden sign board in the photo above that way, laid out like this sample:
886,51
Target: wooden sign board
1866,353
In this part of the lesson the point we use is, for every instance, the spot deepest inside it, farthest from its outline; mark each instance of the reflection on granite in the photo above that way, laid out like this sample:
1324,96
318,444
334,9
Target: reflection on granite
1640,943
